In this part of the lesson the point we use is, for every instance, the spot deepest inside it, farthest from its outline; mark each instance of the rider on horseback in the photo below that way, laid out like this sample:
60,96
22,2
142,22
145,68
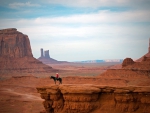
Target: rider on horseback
57,76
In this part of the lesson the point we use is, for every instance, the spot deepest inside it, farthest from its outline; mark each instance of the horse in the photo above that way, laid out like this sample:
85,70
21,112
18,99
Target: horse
56,79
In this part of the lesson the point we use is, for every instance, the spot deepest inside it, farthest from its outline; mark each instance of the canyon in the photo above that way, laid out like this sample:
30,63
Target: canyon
26,87
128,91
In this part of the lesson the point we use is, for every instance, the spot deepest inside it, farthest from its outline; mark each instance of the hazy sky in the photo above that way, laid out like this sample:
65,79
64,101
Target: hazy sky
75,30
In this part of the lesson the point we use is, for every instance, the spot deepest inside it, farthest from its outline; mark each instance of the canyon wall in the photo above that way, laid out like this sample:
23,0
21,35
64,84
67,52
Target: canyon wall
95,99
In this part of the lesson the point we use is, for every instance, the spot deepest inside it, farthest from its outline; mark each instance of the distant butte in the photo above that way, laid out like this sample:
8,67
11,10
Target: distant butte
46,59
16,54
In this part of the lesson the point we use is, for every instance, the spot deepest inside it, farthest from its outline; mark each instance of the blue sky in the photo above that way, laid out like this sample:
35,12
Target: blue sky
75,30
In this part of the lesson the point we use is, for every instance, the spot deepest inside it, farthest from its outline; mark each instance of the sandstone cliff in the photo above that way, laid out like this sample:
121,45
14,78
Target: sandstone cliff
16,54
95,99
14,44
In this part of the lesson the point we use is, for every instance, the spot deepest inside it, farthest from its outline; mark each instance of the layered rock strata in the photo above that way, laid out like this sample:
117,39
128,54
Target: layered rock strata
95,99
14,44
16,54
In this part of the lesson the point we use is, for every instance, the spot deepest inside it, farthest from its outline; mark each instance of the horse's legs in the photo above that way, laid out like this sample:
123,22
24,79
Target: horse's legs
60,81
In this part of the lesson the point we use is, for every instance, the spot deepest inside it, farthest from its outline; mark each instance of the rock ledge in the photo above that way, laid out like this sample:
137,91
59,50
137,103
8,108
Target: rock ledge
90,98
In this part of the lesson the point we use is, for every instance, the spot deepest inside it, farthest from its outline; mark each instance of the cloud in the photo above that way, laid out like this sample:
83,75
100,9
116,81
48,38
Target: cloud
82,25
101,34
102,17
86,3
102,3
17,5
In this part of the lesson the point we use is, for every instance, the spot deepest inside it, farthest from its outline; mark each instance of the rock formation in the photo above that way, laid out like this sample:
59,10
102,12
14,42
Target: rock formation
140,67
146,55
16,54
127,61
47,54
130,69
46,59
95,99
14,44
143,66
79,98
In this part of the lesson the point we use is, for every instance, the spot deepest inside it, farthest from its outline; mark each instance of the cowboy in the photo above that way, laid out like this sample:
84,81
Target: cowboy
57,76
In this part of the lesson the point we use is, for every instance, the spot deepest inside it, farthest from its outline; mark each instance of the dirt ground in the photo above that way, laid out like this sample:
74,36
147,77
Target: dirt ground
18,94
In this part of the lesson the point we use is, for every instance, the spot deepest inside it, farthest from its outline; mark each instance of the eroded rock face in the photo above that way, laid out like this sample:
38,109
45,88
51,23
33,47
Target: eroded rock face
14,44
16,55
95,99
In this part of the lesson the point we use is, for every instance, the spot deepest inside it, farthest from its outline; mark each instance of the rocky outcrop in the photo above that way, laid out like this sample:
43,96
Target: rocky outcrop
16,54
144,65
133,73
95,99
127,61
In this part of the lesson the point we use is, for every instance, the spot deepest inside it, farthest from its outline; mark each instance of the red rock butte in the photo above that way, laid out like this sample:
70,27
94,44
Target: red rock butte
46,59
14,44
16,54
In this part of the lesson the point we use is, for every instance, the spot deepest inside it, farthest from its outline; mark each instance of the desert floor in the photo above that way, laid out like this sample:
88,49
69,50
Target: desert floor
18,93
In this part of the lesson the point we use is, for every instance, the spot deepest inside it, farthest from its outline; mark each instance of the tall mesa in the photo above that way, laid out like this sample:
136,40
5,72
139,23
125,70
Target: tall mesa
16,54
